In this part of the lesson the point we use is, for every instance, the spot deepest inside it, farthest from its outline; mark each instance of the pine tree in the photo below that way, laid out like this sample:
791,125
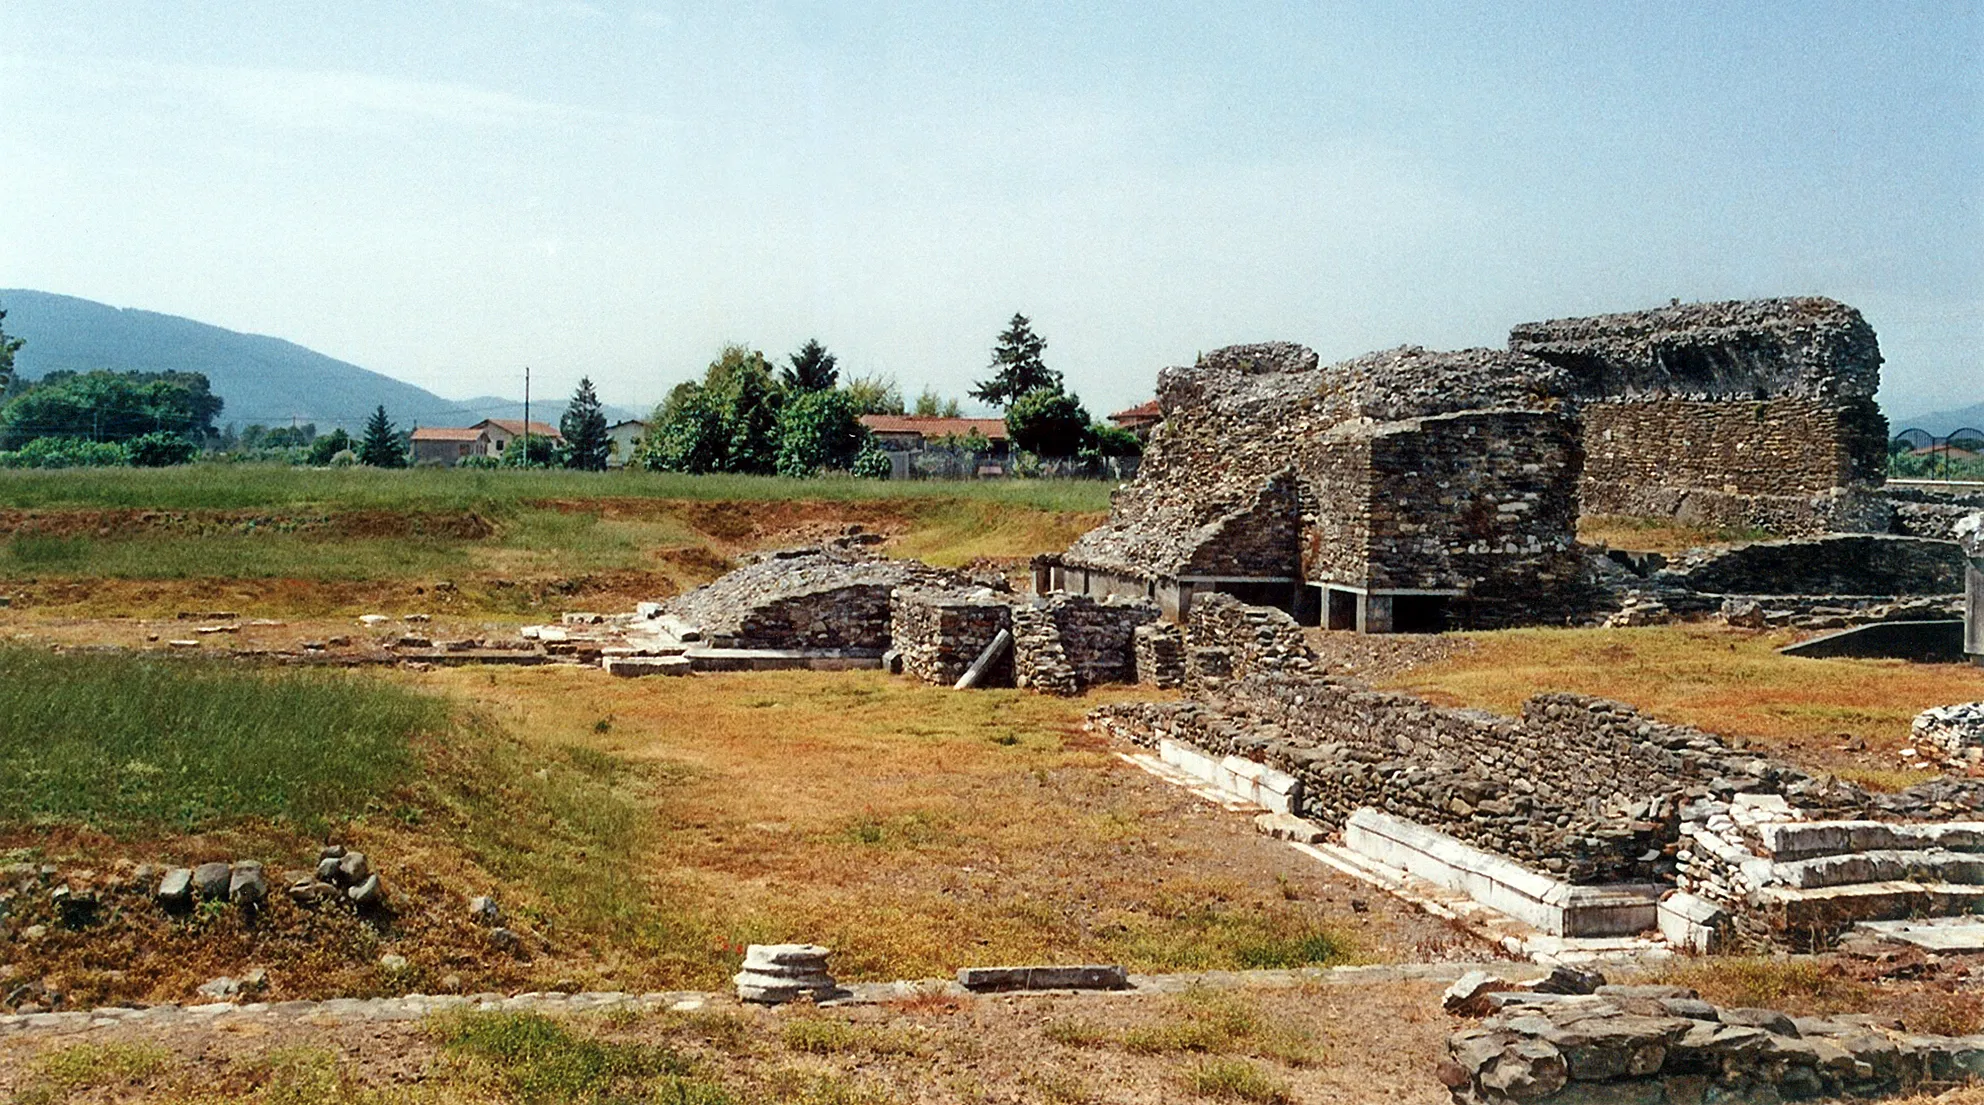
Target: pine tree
1016,366
380,447
812,368
584,427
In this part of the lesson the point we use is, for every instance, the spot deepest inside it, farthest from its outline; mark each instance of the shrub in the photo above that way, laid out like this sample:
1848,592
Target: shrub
1048,423
872,463
161,450
66,452
819,429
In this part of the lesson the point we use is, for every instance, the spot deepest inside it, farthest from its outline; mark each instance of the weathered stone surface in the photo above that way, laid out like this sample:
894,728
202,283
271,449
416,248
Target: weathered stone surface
353,869
1287,826
777,973
819,597
1083,977
248,884
367,892
211,880
484,911
175,888
1064,644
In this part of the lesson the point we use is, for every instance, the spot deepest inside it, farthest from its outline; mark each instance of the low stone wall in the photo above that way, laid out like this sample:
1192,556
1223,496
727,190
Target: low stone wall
1160,654
1662,1044
1842,564
1063,643
940,633
1226,637
816,597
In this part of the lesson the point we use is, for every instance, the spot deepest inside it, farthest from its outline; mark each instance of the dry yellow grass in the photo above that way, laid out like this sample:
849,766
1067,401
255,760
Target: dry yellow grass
1724,680
914,829
1661,535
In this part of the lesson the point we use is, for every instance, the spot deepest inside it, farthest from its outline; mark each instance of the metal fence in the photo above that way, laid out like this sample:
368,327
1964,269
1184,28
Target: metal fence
1955,453
958,464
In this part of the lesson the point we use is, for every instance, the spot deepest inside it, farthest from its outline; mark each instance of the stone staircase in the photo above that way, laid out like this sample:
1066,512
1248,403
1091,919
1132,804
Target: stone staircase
1824,876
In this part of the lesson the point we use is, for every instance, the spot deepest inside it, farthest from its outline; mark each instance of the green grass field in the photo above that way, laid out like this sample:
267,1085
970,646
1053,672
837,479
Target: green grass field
253,486
123,743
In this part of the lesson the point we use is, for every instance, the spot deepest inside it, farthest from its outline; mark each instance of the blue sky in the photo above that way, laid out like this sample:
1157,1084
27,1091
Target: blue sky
446,191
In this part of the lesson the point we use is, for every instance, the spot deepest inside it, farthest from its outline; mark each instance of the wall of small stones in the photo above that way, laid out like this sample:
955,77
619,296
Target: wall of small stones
940,633
1841,564
1793,466
1228,638
1160,654
1064,643
1656,1044
1587,789
829,597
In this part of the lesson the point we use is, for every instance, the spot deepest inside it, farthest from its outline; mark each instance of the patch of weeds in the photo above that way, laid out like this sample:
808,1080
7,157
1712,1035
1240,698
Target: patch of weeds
305,1076
540,1060
603,725
1209,1022
827,1036
1282,952
1233,1080
793,1087
91,1066
1075,1032
1059,1088
1761,982
721,1029
1006,740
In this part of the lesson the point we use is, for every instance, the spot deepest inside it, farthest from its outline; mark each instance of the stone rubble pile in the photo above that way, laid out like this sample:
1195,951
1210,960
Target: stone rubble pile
339,876
1654,1044
777,973
1952,735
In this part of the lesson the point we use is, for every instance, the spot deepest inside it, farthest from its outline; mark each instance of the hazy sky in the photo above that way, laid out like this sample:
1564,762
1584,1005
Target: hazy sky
445,191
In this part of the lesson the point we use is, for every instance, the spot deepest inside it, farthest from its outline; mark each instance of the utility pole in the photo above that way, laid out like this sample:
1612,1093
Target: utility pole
523,457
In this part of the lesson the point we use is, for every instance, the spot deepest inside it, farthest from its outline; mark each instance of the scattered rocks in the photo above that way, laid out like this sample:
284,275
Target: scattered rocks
74,908
484,911
778,973
248,884
368,893
175,888
1951,734
392,963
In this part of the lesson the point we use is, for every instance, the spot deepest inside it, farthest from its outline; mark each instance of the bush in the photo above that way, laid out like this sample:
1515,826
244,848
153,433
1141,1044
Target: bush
161,450
1048,423
344,458
66,452
872,463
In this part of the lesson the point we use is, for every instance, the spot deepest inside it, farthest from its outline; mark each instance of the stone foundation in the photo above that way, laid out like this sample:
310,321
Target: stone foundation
940,633
1064,644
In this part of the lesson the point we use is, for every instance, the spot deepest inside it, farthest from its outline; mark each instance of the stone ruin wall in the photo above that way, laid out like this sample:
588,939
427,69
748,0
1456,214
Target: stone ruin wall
939,634
1064,644
1969,534
1752,414
1482,502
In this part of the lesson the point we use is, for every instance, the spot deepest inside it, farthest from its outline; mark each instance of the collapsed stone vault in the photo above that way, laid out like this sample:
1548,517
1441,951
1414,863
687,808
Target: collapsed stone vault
1411,489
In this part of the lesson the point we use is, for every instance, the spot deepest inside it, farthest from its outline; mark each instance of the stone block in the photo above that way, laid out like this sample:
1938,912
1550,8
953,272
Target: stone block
1078,977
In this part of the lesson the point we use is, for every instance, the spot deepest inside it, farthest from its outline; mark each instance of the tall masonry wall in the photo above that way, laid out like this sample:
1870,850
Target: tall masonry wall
1750,414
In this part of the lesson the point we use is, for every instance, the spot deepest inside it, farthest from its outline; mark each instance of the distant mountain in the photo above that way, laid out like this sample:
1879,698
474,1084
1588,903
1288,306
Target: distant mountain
261,379
1940,423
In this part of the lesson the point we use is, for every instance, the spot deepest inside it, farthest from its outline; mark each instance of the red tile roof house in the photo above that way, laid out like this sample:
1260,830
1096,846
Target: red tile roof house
447,444
914,431
1140,419
501,430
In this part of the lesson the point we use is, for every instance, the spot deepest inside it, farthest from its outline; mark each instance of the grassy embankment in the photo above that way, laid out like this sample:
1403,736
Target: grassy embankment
637,832
1850,717
298,542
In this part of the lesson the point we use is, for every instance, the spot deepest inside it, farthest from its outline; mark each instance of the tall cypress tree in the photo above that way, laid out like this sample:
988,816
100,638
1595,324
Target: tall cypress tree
584,427
380,447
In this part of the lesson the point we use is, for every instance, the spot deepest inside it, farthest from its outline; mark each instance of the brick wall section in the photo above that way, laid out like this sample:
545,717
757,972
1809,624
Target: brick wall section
1843,564
816,597
940,633
1160,653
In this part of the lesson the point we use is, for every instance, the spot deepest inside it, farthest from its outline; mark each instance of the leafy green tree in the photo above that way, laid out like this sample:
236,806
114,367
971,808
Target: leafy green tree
875,395
289,437
8,347
931,405
1048,422
380,447
531,451
584,425
1016,366
1110,440
728,422
812,368
752,401
322,449
819,429
111,406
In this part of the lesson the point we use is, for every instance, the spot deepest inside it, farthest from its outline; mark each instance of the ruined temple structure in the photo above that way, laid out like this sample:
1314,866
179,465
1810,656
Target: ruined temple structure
1754,414
1411,490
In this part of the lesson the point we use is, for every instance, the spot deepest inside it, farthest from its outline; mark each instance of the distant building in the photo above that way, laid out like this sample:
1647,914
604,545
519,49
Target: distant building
500,431
626,437
447,444
910,432
1140,419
